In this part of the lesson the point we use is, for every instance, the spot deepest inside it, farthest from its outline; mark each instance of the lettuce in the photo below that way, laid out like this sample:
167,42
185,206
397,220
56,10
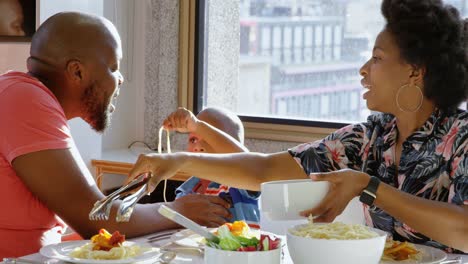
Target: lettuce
227,241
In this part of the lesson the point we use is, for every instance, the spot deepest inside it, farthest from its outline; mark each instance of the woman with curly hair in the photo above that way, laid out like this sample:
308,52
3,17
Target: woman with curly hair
408,164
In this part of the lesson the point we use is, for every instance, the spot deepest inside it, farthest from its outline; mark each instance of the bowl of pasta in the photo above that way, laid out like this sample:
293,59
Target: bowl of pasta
239,244
335,243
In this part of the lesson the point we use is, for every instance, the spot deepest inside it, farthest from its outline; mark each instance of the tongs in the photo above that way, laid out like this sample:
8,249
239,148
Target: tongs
132,192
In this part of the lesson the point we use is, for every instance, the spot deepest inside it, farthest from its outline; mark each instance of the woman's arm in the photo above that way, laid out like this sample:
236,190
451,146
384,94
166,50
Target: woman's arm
443,222
240,170
249,170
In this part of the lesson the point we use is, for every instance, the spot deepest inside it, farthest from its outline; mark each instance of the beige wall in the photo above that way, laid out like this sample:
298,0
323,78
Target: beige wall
13,56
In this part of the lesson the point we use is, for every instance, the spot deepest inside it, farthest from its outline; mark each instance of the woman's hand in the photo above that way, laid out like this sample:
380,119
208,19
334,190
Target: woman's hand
181,120
344,186
161,166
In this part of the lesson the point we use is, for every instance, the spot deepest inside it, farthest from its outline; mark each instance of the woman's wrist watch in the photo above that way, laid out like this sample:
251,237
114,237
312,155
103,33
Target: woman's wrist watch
369,193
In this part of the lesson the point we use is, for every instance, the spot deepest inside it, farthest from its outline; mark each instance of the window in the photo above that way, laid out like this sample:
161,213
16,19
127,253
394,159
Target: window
286,63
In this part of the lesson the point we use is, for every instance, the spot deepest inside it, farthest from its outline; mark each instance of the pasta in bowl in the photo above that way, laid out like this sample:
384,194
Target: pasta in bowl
335,243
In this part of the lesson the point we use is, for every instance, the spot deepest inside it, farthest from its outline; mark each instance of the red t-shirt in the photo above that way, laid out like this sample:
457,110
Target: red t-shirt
31,119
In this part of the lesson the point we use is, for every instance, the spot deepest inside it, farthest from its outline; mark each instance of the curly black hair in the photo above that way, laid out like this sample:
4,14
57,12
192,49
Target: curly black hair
432,35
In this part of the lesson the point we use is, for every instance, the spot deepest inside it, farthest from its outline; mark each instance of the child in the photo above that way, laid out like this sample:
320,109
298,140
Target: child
215,130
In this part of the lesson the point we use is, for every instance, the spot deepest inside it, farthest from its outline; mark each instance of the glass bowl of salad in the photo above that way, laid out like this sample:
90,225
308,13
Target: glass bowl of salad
239,244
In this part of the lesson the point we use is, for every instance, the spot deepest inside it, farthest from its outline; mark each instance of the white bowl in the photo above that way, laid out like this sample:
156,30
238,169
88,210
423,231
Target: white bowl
218,256
331,251
283,200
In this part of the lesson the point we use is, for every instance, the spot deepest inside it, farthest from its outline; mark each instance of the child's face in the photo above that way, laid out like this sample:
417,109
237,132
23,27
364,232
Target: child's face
197,144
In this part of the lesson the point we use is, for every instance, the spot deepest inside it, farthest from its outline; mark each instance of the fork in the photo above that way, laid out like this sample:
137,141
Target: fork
456,260
101,209
128,204
23,260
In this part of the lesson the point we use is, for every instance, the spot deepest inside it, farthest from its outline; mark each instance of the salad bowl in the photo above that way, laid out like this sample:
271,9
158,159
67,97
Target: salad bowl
213,255
238,244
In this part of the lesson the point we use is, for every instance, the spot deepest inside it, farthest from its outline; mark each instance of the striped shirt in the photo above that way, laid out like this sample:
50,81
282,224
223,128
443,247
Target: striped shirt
244,203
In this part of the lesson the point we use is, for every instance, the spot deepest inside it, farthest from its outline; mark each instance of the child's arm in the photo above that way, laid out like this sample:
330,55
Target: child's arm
220,141
184,121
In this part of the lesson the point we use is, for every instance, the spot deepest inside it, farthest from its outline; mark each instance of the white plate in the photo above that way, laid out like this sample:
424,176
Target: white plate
430,255
62,250
187,238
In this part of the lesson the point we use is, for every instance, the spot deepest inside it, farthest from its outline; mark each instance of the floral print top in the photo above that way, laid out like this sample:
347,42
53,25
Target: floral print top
433,163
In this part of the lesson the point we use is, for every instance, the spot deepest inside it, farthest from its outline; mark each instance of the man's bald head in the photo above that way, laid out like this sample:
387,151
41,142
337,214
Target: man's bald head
77,57
72,35
223,120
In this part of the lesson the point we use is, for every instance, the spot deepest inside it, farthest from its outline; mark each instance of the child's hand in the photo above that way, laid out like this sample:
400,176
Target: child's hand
181,120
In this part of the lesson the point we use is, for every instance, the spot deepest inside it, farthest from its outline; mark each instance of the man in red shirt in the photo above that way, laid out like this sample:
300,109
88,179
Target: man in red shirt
73,72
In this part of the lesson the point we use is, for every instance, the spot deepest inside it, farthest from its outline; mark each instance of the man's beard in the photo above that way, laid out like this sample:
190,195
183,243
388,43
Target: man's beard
96,112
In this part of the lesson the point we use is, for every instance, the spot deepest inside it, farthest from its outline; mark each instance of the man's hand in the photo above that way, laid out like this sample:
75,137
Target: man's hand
344,186
206,210
181,120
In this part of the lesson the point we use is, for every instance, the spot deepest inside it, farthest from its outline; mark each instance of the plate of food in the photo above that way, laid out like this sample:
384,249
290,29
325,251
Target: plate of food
102,248
409,253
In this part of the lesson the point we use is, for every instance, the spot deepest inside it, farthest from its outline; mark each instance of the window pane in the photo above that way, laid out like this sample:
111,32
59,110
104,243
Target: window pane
294,59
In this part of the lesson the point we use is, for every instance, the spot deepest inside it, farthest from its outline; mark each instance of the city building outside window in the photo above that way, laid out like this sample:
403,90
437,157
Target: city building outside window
287,61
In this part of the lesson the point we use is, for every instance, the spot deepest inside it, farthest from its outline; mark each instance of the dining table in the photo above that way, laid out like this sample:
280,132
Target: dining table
165,241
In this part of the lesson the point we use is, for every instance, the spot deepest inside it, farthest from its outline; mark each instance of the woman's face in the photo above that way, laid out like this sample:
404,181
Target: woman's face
11,18
384,74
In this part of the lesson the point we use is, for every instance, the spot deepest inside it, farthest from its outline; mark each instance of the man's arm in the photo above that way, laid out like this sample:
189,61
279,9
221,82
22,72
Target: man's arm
60,179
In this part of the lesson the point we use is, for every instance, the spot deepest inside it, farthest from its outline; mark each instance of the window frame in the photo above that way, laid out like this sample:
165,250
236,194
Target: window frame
191,67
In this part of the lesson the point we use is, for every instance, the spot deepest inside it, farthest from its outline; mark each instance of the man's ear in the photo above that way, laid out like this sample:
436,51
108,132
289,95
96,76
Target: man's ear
76,71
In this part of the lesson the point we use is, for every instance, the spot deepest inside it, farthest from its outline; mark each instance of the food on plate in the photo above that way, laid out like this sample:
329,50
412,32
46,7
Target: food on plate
237,236
106,246
396,250
337,230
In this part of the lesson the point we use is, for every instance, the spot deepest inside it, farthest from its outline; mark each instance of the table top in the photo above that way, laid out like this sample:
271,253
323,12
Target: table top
163,240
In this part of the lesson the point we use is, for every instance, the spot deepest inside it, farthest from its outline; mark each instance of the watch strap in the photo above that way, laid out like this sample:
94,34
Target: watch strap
368,195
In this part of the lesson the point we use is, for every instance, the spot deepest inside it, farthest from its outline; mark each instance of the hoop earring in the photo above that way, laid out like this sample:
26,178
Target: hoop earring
410,110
